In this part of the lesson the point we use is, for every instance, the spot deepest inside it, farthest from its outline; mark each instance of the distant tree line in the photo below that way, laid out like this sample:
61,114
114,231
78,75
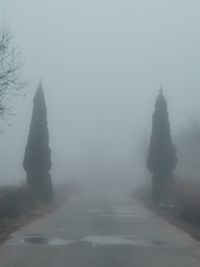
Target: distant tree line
188,146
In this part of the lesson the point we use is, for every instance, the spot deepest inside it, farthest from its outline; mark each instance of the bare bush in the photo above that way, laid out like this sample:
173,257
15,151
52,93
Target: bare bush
10,66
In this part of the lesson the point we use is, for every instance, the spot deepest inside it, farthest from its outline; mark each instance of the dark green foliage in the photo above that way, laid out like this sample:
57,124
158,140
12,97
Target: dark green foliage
37,159
162,158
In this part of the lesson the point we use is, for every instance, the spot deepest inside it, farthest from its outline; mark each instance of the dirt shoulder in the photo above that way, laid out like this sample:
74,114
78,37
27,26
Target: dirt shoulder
8,226
171,216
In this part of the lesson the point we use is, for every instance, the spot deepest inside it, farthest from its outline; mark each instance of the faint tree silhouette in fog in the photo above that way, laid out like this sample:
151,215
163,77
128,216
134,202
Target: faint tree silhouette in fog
188,143
10,66
162,158
37,159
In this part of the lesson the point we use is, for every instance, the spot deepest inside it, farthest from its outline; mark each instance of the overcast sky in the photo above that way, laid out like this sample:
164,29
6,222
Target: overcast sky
102,63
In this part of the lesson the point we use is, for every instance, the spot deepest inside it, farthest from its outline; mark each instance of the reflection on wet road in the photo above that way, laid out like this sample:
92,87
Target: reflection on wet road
99,230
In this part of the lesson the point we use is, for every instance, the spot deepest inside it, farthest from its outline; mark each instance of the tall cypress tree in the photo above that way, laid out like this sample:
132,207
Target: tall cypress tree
162,158
37,159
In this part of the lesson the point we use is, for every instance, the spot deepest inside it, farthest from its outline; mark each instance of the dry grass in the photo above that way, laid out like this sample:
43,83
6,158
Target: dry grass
14,201
185,209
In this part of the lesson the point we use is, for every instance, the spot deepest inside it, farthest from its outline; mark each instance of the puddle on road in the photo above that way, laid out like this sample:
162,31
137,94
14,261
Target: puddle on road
39,240
94,240
60,242
97,241
113,240
50,242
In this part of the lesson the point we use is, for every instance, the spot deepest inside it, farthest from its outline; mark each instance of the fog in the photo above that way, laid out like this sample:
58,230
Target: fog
102,64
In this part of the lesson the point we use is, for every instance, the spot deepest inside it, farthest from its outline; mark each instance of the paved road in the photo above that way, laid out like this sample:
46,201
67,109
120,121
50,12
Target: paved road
99,230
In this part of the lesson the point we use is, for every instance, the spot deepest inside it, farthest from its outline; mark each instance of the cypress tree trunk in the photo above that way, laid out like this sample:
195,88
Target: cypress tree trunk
37,162
162,158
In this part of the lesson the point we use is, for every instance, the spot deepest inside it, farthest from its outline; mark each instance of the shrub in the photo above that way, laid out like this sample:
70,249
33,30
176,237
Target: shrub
14,200
187,201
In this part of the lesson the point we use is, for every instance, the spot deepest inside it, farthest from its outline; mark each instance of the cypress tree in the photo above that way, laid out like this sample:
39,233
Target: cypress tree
37,159
162,158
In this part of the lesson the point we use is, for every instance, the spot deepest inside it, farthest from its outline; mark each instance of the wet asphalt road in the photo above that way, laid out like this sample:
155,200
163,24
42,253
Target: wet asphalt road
99,230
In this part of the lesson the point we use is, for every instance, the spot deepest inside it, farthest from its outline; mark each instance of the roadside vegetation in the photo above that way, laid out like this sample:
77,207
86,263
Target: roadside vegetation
175,171
23,202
